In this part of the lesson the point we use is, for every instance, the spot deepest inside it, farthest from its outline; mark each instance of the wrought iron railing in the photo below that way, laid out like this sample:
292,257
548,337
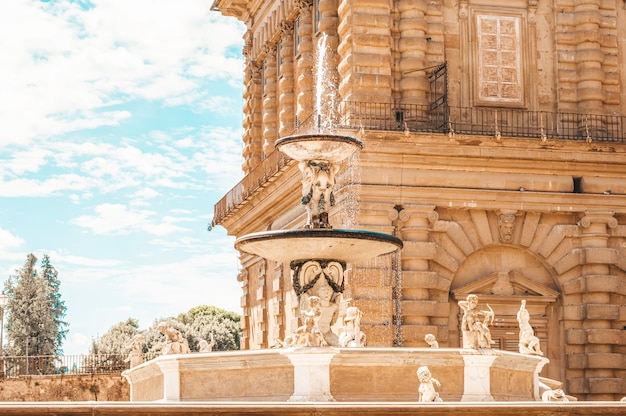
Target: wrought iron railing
487,121
16,366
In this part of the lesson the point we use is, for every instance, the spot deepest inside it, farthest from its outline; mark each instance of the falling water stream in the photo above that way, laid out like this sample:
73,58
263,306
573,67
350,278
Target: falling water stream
324,91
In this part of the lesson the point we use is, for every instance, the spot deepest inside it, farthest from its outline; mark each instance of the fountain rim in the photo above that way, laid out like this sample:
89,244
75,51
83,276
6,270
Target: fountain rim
333,148
316,233
318,137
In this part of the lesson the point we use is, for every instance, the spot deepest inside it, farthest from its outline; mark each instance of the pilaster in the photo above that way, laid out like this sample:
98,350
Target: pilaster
305,63
286,119
253,118
589,326
270,127
589,56
327,101
413,45
365,51
418,306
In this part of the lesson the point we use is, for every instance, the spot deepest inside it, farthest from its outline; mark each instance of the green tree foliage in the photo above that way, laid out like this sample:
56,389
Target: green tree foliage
117,339
196,324
202,321
35,323
58,309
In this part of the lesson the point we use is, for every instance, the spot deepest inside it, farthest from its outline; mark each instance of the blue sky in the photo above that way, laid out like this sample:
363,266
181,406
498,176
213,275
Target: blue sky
120,128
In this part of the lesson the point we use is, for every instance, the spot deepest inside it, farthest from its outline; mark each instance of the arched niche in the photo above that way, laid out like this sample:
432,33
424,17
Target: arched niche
502,276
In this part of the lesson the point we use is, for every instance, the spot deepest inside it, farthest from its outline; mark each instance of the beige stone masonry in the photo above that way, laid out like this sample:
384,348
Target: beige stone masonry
286,83
270,88
364,51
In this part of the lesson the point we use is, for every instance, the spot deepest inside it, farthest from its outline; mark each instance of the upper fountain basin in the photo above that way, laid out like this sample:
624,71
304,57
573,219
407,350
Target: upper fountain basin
331,147
349,246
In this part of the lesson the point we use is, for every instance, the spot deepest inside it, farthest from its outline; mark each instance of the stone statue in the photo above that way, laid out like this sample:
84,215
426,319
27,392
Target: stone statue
135,356
206,346
309,334
175,343
476,333
431,340
528,342
351,335
328,315
318,181
557,395
427,392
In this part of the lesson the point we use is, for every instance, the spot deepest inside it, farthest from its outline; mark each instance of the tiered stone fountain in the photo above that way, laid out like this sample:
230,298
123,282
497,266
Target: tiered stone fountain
324,372
312,366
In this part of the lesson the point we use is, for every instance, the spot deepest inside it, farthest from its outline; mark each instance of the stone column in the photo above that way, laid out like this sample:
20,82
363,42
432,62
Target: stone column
252,110
249,102
276,329
270,128
305,63
589,55
365,52
418,308
434,17
533,76
242,278
593,361
413,27
286,117
464,53
565,26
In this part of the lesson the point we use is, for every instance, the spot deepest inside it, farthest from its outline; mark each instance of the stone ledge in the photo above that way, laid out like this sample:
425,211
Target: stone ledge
319,409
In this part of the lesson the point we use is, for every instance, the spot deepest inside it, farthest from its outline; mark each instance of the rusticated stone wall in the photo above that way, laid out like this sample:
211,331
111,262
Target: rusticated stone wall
109,387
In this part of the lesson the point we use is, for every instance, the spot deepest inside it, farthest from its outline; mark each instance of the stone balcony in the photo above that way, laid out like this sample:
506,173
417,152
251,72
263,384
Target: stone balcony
445,122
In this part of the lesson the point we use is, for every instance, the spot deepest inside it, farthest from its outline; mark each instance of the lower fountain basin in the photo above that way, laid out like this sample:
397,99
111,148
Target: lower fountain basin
330,147
349,246
326,374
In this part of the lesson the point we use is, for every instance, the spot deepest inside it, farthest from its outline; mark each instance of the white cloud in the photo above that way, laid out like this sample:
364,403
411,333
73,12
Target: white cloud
63,66
113,219
22,187
117,219
8,240
26,161
76,341
181,285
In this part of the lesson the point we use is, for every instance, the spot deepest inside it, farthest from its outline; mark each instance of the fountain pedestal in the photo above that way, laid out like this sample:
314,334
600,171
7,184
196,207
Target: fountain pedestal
311,374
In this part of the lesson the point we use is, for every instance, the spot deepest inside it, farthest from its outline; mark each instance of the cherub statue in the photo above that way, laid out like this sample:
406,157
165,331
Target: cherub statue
476,333
528,342
351,335
431,340
318,181
328,314
135,356
427,392
308,335
206,346
175,343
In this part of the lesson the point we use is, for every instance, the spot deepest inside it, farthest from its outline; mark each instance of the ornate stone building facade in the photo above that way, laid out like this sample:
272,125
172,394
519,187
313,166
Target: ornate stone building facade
495,148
